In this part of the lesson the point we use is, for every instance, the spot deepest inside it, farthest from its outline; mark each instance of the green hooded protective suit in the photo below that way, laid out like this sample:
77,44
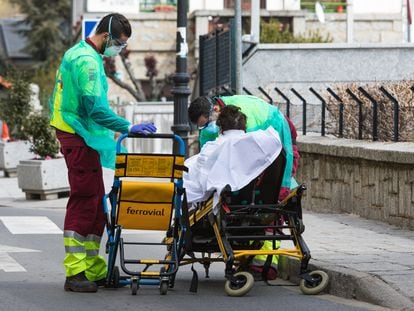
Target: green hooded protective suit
260,115
80,103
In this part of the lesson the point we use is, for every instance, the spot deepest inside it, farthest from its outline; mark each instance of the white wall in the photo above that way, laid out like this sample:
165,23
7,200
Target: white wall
377,6
280,5
206,5
360,6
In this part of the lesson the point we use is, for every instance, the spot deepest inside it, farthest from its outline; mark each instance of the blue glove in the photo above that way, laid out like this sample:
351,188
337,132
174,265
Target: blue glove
143,128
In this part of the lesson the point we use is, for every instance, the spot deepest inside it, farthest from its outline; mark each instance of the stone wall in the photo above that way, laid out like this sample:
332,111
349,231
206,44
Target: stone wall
371,179
368,28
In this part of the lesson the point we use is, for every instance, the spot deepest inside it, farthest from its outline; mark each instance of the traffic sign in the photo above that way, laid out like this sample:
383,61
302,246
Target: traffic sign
89,27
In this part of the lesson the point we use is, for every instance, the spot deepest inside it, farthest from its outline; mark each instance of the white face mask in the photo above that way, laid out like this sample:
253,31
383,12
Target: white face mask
211,128
113,50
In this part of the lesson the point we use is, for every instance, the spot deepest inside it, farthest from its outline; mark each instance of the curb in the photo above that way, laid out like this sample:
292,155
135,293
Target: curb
349,284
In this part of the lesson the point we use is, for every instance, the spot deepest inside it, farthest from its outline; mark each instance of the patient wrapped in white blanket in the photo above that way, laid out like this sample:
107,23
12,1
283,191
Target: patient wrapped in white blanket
233,159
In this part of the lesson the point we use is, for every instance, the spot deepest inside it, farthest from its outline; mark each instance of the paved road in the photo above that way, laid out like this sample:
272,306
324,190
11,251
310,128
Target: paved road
31,277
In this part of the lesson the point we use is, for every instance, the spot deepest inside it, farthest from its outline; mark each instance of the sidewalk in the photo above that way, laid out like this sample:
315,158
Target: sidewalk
366,260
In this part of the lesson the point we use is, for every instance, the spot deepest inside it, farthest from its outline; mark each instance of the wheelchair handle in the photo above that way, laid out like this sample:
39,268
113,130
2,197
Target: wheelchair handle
152,135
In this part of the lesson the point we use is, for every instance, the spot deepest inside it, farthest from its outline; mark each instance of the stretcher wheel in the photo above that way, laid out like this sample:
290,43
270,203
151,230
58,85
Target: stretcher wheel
115,277
164,287
134,286
163,282
243,285
166,268
300,227
320,283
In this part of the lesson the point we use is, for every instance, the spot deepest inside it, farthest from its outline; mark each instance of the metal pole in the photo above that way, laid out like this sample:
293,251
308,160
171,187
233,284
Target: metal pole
181,89
287,101
396,109
359,102
217,56
350,21
341,111
270,99
323,109
247,91
374,113
404,21
255,21
303,110
409,22
238,47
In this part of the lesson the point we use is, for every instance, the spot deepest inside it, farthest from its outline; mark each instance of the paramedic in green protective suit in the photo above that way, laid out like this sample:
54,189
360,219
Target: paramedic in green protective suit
85,126
260,115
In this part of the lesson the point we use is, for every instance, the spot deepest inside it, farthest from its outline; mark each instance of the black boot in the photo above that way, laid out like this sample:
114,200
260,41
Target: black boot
100,283
79,283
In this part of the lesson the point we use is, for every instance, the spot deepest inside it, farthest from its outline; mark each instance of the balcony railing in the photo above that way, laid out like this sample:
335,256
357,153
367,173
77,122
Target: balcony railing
157,6
328,6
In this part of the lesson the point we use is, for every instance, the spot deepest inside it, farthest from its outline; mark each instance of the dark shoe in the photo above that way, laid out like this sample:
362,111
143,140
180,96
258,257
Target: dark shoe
79,283
101,282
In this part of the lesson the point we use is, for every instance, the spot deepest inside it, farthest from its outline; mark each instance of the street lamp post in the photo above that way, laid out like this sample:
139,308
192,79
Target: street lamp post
181,89
238,45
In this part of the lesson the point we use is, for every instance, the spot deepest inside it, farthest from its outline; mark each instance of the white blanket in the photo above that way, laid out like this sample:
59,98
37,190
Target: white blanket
234,159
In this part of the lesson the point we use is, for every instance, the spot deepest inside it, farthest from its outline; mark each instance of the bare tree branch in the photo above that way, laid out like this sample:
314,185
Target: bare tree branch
135,88
137,84
126,87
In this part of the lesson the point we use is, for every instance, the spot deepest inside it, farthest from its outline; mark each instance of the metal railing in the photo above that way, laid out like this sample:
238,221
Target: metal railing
217,61
357,98
160,113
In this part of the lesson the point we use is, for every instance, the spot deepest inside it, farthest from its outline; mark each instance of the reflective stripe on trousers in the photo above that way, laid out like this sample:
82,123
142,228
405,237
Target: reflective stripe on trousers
82,254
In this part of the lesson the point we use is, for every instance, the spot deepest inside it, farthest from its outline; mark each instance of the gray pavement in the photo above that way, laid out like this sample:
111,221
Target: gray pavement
366,260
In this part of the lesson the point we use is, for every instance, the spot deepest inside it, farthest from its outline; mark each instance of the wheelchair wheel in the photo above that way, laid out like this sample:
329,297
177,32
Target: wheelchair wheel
243,285
314,288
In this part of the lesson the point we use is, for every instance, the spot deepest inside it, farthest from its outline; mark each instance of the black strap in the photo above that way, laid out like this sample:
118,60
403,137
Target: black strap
179,167
180,191
268,262
266,267
120,165
185,221
194,280
113,194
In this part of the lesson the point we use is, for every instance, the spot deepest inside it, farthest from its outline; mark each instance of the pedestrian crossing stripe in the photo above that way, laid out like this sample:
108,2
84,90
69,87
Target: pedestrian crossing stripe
43,225
7,263
30,225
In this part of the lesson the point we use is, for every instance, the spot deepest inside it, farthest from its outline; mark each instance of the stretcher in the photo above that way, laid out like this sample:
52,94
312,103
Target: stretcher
146,195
